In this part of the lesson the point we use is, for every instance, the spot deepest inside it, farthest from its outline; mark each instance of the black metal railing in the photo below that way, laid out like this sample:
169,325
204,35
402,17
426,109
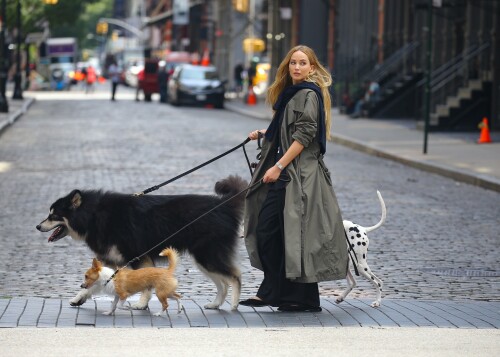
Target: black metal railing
456,73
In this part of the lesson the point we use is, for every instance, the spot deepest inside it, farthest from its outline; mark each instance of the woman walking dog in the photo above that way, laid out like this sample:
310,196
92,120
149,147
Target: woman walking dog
293,226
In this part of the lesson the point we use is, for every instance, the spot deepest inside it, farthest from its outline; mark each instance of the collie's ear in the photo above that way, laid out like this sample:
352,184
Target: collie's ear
76,199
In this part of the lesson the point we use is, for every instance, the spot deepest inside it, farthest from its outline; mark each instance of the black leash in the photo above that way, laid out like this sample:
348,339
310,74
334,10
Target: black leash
156,187
181,229
351,249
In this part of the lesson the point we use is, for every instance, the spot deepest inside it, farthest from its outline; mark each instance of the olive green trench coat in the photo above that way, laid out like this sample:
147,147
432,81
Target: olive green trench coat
315,244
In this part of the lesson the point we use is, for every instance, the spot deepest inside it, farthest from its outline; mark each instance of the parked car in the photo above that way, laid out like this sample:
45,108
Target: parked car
190,84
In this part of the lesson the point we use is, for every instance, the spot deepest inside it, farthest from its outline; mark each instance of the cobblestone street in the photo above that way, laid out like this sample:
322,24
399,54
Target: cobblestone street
440,240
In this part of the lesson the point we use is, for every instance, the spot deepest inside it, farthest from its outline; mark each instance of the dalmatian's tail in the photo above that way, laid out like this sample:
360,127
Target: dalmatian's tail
384,212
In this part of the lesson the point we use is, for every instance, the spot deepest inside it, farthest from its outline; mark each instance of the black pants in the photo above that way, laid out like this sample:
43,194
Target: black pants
276,289
113,89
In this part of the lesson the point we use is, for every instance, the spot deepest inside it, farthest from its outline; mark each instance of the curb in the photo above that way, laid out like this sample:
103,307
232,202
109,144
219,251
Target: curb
457,175
448,172
4,125
247,111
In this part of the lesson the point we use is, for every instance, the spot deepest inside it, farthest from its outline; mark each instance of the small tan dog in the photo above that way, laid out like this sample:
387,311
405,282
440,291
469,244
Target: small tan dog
128,282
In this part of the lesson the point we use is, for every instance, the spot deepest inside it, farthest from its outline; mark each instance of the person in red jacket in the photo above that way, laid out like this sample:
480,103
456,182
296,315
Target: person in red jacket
90,79
140,78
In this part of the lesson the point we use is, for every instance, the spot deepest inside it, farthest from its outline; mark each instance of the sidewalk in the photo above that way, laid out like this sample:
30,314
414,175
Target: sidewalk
393,313
454,155
17,107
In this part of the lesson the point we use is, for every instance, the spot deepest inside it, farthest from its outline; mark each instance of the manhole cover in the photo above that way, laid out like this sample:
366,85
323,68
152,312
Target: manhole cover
462,272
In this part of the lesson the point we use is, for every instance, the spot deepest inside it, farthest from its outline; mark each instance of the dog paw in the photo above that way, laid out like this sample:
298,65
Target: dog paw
108,313
375,304
77,301
212,306
139,306
339,300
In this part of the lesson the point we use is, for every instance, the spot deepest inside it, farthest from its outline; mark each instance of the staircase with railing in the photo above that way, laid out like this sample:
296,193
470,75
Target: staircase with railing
388,74
460,91
397,80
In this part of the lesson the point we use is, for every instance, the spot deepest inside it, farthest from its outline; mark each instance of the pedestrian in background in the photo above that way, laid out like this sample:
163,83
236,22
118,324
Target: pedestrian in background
293,226
238,77
251,73
162,81
114,75
90,79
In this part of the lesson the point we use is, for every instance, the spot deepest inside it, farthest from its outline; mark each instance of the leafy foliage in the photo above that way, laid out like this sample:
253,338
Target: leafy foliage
67,18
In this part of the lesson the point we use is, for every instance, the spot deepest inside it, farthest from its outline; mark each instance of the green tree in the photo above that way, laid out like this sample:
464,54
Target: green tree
68,18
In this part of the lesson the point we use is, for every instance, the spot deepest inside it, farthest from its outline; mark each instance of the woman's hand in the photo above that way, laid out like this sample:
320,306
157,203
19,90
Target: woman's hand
254,135
271,175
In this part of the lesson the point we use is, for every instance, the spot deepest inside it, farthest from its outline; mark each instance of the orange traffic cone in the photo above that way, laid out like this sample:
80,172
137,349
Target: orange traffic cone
251,97
205,61
484,138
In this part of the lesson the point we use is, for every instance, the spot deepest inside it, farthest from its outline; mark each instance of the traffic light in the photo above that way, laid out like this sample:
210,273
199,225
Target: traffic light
102,28
240,5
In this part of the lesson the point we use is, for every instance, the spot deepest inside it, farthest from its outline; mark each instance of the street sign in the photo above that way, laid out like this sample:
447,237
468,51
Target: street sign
181,12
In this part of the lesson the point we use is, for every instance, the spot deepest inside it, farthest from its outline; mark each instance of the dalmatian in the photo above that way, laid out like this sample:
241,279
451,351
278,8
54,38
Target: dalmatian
358,250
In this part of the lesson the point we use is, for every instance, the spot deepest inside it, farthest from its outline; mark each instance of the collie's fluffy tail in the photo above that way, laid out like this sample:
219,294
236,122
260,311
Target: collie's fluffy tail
230,186
382,220
172,256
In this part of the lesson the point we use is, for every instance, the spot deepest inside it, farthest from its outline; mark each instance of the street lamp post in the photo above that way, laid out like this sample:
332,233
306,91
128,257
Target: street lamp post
4,105
18,91
428,75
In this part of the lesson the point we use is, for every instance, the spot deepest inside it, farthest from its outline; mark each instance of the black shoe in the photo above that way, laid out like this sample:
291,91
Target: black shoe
253,303
291,307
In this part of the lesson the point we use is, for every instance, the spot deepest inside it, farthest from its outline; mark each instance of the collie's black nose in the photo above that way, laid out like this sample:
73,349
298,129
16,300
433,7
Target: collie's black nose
38,227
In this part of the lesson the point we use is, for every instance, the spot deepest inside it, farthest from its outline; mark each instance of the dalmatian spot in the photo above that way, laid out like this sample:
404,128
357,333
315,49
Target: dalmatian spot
355,229
352,237
364,243
359,243
358,235
364,256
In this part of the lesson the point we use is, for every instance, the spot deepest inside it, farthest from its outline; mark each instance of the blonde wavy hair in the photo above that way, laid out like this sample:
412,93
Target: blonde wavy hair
320,76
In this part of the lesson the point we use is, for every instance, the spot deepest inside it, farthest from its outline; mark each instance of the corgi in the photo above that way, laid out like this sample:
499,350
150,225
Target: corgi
128,282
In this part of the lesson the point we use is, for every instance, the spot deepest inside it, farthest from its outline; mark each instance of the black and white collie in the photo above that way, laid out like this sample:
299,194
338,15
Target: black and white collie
119,227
